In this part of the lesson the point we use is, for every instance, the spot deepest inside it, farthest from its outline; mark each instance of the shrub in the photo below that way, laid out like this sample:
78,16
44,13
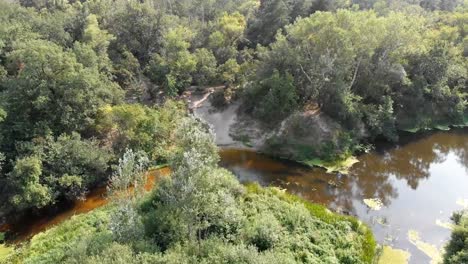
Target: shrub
456,250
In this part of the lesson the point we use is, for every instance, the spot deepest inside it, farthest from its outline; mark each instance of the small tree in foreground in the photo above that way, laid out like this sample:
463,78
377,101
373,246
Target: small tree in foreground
199,199
126,185
456,250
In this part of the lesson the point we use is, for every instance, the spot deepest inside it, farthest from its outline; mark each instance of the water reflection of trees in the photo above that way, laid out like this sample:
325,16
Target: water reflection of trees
410,163
372,177
457,143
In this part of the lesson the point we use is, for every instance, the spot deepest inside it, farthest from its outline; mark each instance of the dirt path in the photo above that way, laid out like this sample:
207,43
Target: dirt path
198,103
208,91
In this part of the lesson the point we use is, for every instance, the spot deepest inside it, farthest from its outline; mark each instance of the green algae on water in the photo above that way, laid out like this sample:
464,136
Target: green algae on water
437,126
374,203
430,250
446,225
463,203
340,166
382,221
394,256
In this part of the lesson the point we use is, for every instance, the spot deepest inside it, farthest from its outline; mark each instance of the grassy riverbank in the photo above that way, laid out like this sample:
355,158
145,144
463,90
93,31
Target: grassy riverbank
336,236
444,126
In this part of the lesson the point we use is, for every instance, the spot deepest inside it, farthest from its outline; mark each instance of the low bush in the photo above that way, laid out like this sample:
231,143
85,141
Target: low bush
456,250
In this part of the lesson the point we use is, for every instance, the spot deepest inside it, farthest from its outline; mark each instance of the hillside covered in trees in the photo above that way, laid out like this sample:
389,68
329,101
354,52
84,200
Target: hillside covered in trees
91,93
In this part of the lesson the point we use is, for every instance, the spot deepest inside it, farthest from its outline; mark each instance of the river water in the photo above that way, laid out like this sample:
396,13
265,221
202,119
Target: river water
30,225
421,181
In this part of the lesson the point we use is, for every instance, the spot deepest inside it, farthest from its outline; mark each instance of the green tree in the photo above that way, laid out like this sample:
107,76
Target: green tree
271,16
50,92
140,28
456,250
129,178
72,164
232,27
279,98
27,181
206,67
139,127
227,33
127,72
198,199
56,169
229,72
173,67
352,78
125,187
99,40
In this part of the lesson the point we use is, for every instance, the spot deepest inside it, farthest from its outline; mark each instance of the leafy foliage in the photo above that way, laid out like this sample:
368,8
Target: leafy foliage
279,98
50,92
372,66
202,214
65,167
456,250
367,71
139,127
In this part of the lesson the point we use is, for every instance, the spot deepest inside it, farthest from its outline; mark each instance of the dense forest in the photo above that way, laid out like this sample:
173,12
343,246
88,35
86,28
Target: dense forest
91,94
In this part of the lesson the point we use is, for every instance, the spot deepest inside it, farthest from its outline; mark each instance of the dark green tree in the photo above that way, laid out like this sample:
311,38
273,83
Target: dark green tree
49,91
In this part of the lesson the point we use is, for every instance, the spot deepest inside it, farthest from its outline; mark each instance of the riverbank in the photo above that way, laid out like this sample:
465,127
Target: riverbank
26,227
297,138
239,131
337,237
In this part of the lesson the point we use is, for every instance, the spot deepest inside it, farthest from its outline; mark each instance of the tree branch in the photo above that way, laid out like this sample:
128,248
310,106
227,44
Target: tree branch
306,75
355,74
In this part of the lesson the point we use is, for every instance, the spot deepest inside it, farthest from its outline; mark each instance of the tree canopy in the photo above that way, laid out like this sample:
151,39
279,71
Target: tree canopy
92,86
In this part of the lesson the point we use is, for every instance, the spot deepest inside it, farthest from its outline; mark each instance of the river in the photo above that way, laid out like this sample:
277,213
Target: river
420,181
28,226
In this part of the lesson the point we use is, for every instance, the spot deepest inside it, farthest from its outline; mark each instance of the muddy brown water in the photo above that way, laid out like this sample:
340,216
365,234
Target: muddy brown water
28,226
419,182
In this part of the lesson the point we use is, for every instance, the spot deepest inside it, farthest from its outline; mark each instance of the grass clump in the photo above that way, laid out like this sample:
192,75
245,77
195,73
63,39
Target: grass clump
5,251
56,244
